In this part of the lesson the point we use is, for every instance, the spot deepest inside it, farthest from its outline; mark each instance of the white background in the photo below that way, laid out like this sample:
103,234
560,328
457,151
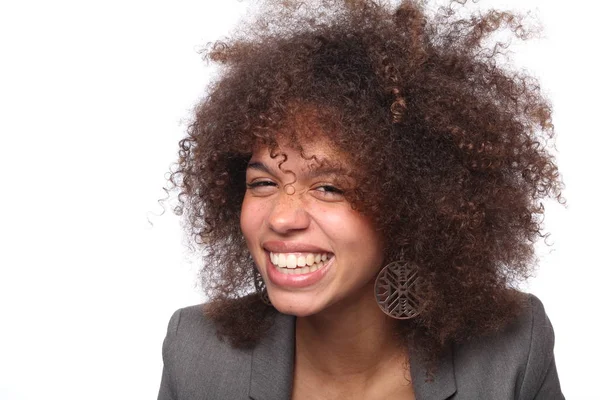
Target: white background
93,99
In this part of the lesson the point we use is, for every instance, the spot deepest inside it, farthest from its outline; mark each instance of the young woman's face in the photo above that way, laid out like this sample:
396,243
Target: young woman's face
311,248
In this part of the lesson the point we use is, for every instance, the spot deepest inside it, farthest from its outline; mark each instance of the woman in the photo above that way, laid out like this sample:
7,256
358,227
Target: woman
365,182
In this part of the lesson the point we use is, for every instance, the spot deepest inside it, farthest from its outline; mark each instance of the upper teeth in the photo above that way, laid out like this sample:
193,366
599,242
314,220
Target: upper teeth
286,260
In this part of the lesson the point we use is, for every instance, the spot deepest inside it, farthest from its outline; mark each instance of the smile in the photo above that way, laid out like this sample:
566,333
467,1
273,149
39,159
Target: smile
298,263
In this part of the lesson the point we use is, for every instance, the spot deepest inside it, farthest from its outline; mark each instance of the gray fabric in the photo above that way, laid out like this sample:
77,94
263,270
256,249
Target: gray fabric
517,363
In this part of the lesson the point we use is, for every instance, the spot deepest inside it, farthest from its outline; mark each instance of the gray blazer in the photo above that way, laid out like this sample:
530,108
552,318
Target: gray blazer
517,363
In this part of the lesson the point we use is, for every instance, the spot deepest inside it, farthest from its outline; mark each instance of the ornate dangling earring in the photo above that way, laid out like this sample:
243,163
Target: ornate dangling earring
397,290
261,289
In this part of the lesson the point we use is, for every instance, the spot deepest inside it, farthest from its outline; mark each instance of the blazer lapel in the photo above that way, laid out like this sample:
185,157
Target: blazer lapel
273,361
440,386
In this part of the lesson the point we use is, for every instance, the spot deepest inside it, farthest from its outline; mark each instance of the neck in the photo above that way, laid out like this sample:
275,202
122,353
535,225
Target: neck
353,338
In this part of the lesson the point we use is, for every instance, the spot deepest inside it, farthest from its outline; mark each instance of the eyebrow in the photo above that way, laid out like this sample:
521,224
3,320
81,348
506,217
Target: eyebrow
313,173
259,166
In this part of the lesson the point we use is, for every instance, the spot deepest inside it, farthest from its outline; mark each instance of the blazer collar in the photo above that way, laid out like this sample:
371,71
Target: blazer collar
439,386
272,367
273,361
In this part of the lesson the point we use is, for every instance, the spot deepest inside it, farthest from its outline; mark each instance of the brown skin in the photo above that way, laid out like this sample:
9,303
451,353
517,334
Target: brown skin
305,207
352,353
452,150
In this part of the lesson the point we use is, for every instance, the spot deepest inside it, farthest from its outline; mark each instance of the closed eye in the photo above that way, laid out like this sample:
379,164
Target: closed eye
328,193
261,187
329,189
257,184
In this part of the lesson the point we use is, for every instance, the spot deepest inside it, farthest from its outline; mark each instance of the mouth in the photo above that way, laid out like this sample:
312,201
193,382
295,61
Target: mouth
299,263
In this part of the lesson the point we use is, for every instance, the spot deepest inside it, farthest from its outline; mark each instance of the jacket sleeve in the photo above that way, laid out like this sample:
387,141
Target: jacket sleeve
540,381
167,389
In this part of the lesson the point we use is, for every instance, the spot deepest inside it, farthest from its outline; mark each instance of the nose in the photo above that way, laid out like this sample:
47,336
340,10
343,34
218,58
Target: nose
288,214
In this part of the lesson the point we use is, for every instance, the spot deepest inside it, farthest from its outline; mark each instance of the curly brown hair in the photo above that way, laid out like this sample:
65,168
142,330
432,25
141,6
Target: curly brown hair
451,146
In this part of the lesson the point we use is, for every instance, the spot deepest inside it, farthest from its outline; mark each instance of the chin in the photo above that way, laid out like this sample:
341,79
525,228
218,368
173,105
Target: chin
297,305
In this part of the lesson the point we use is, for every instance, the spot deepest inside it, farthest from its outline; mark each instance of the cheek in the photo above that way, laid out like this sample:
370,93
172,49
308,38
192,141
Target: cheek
251,218
245,220
365,240
351,228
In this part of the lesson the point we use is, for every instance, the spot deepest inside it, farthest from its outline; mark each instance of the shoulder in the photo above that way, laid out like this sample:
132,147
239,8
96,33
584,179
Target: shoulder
516,362
197,362
199,365
190,324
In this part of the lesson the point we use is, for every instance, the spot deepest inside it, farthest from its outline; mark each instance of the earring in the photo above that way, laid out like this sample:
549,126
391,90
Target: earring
261,289
397,290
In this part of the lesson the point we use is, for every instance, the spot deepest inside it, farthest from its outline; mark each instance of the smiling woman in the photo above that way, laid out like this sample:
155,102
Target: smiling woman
313,249
365,182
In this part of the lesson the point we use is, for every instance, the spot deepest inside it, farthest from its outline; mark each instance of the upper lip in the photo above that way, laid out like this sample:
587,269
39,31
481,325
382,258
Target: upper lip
292,247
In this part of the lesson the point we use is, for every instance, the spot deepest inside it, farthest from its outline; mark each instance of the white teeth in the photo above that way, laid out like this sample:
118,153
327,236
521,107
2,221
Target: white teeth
300,271
291,261
298,263
301,261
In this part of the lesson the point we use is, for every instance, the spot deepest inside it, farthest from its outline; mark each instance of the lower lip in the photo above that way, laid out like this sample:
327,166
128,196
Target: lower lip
296,281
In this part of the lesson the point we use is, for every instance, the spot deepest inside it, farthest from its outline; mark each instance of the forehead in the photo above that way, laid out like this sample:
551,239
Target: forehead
308,160
316,152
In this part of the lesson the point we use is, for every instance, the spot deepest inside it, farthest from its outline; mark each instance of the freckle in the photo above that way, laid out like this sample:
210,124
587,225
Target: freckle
289,189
